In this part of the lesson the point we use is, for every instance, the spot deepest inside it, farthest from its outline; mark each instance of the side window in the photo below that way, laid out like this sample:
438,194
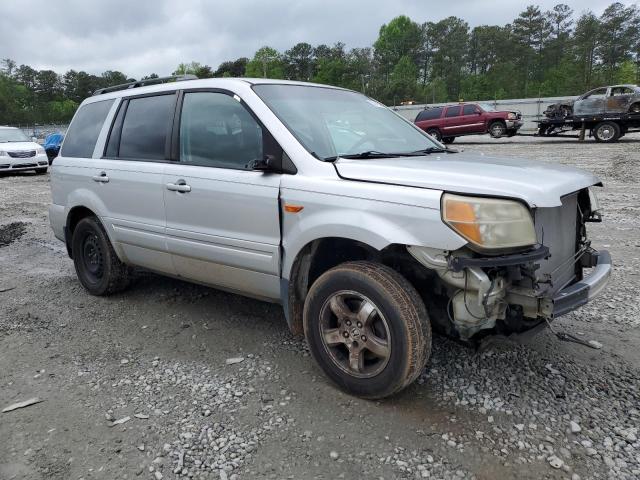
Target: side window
429,114
469,110
146,125
621,91
217,131
452,111
599,93
84,130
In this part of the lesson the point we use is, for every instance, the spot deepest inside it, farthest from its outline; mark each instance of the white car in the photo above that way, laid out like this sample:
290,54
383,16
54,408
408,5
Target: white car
18,152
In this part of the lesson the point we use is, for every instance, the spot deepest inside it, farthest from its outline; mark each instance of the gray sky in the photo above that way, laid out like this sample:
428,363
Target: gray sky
138,37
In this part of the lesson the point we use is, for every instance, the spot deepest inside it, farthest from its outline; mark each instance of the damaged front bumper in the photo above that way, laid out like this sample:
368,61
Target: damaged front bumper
493,292
589,287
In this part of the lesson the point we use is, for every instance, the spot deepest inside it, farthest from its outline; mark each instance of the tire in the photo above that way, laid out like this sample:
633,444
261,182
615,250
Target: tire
99,269
448,140
435,133
635,108
384,353
497,129
606,132
41,171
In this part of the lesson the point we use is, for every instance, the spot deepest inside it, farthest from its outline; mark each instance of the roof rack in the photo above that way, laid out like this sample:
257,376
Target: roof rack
146,81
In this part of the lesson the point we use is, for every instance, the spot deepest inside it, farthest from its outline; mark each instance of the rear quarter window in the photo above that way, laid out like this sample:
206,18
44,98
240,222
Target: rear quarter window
429,114
84,129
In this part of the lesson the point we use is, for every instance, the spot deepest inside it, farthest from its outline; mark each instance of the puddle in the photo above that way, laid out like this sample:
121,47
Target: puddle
11,232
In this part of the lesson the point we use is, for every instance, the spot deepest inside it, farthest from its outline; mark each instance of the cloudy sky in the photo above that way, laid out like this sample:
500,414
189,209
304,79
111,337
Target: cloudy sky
138,37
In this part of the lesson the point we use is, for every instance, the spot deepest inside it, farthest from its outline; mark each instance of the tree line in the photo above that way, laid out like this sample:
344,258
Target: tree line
540,53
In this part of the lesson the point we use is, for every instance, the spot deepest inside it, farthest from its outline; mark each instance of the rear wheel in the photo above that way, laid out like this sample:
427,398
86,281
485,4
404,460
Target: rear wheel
497,129
449,140
367,328
606,132
635,108
99,269
435,133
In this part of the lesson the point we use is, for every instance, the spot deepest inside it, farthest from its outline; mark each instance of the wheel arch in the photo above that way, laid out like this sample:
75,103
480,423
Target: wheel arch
311,261
74,216
80,203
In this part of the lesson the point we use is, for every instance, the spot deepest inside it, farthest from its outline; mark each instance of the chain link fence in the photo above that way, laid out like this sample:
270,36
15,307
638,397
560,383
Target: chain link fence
40,132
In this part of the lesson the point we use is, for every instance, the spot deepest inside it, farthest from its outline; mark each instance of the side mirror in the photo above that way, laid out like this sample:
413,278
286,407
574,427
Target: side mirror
268,163
478,112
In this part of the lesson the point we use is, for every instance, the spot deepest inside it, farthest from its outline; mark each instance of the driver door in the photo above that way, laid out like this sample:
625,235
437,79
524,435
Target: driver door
592,103
223,223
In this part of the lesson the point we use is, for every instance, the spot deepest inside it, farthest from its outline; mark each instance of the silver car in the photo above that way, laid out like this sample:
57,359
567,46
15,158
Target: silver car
613,99
367,231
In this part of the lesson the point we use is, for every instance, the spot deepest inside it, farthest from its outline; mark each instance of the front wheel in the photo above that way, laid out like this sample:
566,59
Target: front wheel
99,269
367,328
497,129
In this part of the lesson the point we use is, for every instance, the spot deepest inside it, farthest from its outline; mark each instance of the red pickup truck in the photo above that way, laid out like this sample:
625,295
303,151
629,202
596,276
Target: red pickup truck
447,123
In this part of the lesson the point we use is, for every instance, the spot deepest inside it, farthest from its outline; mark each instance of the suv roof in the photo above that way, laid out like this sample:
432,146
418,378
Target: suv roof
224,82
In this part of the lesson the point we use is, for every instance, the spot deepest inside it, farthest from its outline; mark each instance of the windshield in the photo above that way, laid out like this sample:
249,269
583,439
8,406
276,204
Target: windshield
330,122
12,135
487,108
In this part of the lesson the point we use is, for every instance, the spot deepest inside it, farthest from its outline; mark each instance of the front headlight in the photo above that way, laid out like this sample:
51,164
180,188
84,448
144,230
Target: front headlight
39,151
489,223
594,205
511,116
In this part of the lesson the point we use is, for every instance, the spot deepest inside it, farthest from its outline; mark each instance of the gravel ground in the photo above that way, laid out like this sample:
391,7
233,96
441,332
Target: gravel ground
173,380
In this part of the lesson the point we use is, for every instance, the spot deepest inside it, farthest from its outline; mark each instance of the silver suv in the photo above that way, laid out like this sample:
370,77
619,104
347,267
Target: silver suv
367,231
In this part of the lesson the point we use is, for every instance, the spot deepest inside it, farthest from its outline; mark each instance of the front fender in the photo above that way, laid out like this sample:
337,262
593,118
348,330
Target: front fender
375,223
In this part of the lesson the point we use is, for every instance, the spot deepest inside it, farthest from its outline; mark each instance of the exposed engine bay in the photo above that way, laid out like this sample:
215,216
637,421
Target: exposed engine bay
514,292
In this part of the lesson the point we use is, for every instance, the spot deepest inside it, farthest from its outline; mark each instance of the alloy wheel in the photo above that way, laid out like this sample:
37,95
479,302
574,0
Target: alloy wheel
355,334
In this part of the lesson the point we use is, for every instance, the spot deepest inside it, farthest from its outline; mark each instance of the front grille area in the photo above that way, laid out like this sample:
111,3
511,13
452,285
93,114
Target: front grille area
24,165
557,229
4,165
22,154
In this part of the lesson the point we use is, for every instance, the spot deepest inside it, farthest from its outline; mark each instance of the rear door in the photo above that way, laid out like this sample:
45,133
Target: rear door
452,119
223,221
619,99
130,175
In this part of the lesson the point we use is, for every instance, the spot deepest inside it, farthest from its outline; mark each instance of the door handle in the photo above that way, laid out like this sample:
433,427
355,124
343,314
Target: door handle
102,178
179,187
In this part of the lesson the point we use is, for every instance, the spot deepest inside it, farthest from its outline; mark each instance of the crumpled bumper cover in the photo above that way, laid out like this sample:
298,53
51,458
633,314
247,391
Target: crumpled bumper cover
589,287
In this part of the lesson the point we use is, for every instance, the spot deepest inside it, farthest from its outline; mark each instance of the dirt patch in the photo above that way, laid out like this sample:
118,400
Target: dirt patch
11,232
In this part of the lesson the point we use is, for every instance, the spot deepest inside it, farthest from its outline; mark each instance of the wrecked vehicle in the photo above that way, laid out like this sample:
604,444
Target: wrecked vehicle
613,99
367,231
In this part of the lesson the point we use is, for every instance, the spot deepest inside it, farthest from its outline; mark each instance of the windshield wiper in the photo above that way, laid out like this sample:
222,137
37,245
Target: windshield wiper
376,154
429,150
366,154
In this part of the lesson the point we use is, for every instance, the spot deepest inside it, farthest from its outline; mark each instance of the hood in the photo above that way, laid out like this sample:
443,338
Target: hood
18,146
537,183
